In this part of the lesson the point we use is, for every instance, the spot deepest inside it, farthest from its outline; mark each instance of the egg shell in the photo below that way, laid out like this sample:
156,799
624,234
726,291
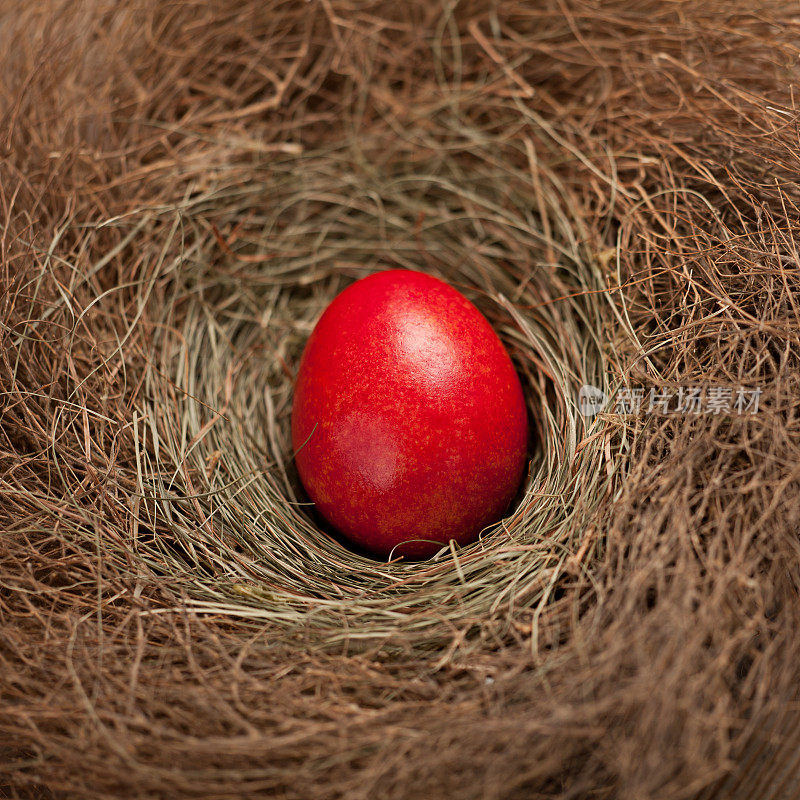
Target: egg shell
409,422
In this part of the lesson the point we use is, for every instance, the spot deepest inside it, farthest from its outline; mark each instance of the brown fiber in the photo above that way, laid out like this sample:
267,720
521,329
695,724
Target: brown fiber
184,186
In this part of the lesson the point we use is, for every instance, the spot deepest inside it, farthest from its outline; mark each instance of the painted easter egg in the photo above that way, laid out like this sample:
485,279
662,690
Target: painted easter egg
409,422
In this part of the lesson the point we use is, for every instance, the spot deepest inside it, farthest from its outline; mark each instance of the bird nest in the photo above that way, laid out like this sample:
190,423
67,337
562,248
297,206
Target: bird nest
213,428
186,188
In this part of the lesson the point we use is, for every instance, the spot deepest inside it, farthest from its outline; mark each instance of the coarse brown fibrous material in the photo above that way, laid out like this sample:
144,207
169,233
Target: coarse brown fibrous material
183,187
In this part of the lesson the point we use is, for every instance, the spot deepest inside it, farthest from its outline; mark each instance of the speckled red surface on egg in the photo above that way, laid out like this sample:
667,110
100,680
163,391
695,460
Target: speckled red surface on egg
408,422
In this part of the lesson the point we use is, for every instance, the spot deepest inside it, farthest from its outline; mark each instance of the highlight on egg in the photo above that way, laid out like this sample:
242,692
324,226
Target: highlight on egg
409,422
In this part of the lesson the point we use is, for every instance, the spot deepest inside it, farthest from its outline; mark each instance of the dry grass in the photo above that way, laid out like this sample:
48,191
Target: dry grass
183,189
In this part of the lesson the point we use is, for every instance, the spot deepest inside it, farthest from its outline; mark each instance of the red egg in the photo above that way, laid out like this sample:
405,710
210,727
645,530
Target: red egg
409,423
